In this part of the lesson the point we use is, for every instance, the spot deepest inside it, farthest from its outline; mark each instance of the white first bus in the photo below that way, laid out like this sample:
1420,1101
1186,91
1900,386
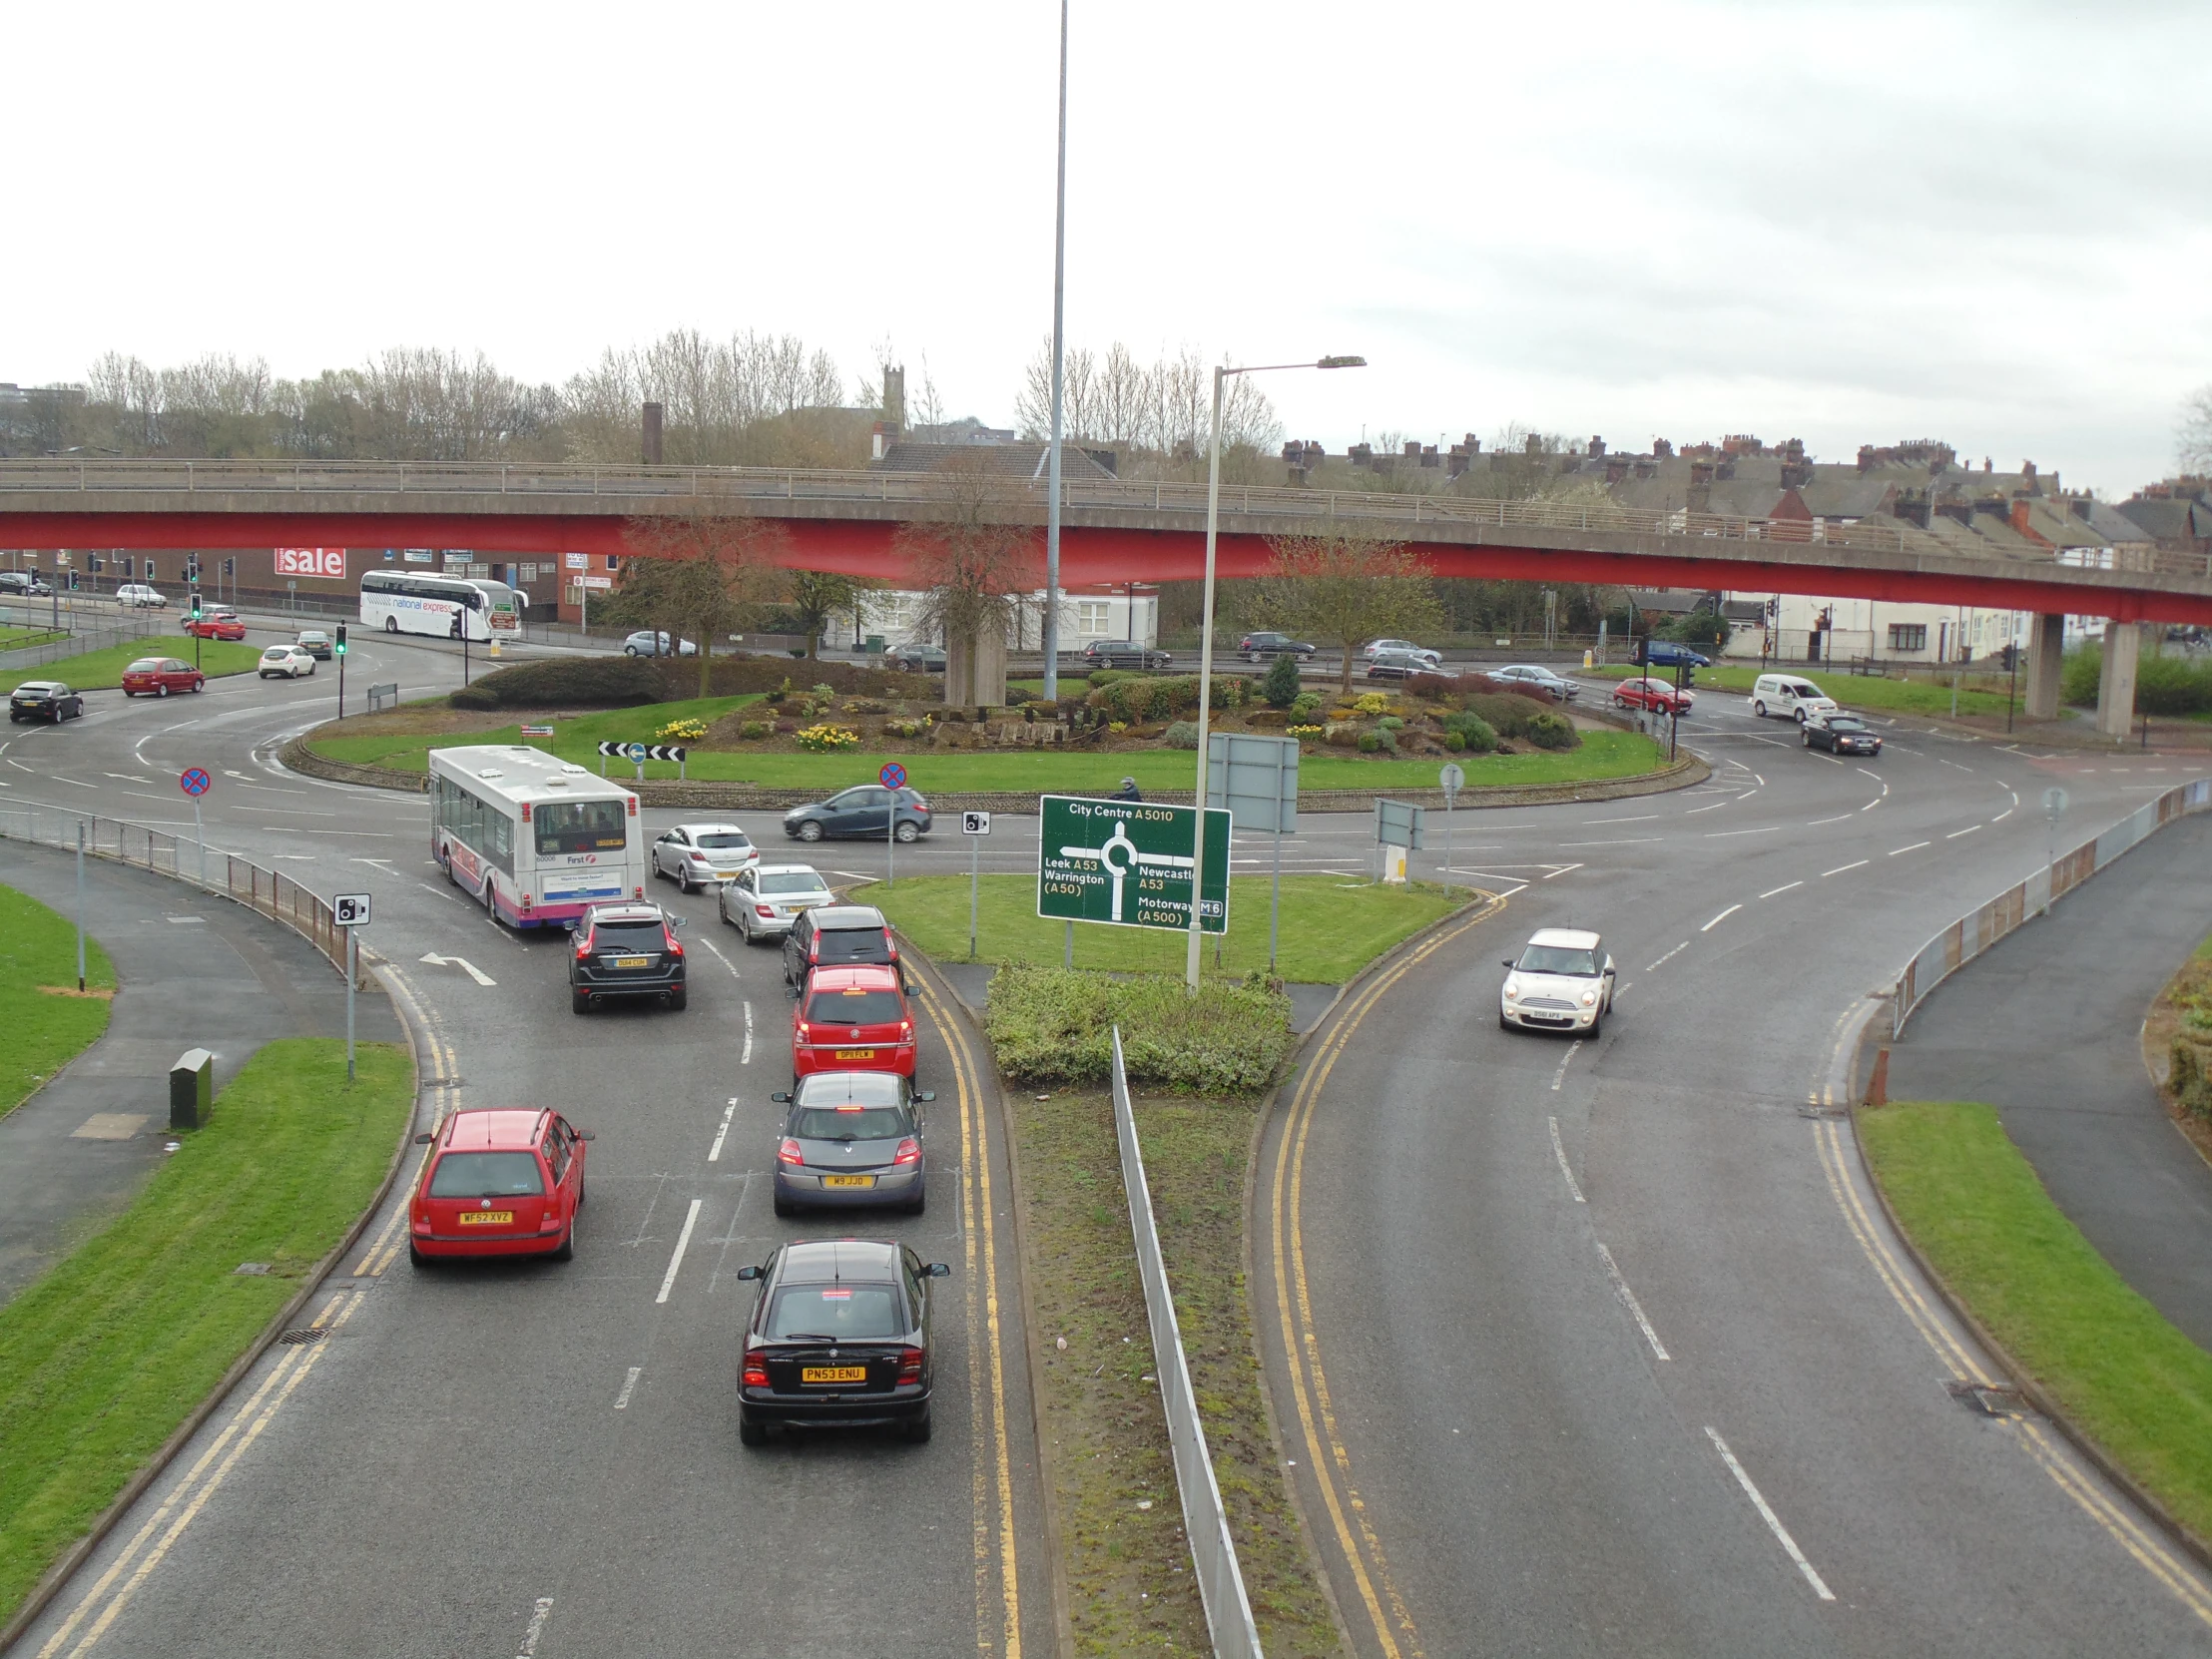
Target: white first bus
447,607
538,839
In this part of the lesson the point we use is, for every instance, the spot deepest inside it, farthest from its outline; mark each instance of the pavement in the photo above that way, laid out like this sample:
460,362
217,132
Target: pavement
192,971
2047,1027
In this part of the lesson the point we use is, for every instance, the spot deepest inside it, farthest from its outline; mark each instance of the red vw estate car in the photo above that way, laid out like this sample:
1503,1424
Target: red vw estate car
1655,694
852,1019
499,1181
159,676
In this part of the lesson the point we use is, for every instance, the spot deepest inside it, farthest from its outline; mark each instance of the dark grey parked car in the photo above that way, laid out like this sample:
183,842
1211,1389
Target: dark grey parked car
836,935
1124,654
851,1137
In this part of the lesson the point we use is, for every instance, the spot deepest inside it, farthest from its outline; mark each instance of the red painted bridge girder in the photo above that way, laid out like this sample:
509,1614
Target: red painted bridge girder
1093,556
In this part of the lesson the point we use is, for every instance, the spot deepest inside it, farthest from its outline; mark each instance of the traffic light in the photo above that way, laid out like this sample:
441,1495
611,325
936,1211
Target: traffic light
230,567
191,569
195,603
341,644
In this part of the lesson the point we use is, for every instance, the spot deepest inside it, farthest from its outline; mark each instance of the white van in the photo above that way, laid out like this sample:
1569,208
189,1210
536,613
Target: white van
138,593
1786,693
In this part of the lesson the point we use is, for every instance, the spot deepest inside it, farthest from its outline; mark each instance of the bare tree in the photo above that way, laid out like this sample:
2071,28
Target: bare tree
700,571
1344,587
1078,378
2195,434
974,557
815,596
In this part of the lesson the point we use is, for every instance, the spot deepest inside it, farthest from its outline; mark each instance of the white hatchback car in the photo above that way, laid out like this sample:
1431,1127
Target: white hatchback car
1561,981
695,856
1786,693
139,593
291,660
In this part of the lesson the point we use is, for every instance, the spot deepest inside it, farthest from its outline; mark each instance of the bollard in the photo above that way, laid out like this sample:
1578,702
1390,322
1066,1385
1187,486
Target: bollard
191,1089
1878,1085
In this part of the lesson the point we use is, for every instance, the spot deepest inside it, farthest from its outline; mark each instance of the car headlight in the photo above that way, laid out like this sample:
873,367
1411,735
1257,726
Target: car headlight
1512,989
1590,999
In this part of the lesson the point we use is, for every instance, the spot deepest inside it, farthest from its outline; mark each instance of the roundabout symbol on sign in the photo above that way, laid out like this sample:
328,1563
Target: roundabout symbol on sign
195,783
892,777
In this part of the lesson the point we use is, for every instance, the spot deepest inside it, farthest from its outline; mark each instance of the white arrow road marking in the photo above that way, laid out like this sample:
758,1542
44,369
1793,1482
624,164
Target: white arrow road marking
466,966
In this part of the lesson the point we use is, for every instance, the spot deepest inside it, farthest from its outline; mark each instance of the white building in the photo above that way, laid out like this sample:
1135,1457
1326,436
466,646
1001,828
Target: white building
1129,611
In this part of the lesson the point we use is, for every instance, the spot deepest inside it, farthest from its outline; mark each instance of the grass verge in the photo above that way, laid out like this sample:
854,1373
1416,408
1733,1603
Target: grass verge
1982,693
402,740
101,670
1130,1586
102,1358
47,1022
1331,926
16,639
1976,1208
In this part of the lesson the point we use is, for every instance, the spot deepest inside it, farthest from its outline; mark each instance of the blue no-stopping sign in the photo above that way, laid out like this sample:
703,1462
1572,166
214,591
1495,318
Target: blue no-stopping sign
892,777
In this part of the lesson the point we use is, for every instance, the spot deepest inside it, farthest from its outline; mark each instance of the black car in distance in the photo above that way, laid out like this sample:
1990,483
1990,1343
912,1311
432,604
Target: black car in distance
45,700
626,950
1124,654
851,1137
1841,734
1254,646
838,935
839,1337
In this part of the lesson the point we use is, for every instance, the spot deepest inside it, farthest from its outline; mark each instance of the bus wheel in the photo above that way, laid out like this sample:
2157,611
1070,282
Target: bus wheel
391,625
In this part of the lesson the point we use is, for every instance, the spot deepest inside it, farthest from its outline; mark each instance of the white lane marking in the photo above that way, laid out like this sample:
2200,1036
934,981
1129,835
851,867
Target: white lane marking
1633,841
1645,817
1954,765
1560,1076
1774,1521
746,1058
1559,1151
1716,807
1955,833
2001,816
1837,819
622,1400
1915,848
2015,794
713,1153
1628,1300
1721,835
1771,892
359,860
1717,920
724,961
1762,780
1840,869
536,1627
470,968
127,776
683,1243
1871,805
1669,956
1561,870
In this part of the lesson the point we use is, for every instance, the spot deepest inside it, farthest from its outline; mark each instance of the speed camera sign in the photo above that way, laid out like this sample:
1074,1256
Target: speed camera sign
975,824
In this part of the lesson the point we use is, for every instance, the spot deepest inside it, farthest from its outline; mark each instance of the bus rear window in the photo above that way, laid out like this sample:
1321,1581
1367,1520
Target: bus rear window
580,826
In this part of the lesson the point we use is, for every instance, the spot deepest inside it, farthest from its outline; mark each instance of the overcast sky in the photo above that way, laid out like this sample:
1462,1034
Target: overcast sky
1990,224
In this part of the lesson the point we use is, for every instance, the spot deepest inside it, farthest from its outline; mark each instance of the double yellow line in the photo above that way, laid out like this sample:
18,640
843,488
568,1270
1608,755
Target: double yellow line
1394,1631
991,1483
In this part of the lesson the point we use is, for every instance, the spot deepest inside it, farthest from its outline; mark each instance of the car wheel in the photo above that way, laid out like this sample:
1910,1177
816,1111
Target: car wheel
679,999
784,1206
1597,1025
161,691
1800,716
567,1249
916,1429
810,830
629,650
920,1203
1808,740
199,685
580,1001
751,1433
419,1261
907,832
684,882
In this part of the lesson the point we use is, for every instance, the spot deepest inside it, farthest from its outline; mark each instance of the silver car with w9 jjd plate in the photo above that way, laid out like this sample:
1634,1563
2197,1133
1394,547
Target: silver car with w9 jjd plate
1561,981
762,903
696,856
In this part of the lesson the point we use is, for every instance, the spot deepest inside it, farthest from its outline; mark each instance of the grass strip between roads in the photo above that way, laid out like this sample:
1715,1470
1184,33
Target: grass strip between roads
2119,1370
1130,1585
1332,925
403,739
104,1357
47,1022
101,670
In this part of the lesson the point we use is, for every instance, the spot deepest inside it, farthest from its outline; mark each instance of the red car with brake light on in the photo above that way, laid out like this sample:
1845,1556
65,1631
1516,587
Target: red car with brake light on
216,624
1655,694
852,1019
498,1181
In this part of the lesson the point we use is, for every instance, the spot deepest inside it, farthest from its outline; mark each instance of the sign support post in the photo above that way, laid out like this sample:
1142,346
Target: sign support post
80,907
349,911
1454,778
195,783
975,826
894,778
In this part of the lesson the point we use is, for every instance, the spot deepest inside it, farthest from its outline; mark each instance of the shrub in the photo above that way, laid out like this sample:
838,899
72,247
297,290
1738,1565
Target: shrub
1506,713
1379,741
2191,1079
918,726
1472,731
2173,686
826,738
1550,731
1391,723
1182,735
1039,709
1454,742
595,682
1373,703
867,706
1055,1025
1306,704
682,731
754,729
1280,689
1107,675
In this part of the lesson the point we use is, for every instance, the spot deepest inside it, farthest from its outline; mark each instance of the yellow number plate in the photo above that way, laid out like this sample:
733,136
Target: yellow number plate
630,961
833,1373
855,1053
848,1181
487,1217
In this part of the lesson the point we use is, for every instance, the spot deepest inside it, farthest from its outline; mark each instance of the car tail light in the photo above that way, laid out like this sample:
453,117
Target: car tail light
801,1030
583,948
909,1152
905,1030
669,933
638,893
813,950
891,944
788,1153
699,858
764,911
909,1364
756,1370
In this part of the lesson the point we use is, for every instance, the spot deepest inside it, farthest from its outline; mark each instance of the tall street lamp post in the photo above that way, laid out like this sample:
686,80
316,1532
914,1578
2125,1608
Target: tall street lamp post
1206,638
1052,640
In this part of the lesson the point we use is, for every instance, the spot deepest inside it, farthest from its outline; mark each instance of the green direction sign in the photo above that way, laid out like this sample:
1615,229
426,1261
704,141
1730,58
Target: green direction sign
1127,864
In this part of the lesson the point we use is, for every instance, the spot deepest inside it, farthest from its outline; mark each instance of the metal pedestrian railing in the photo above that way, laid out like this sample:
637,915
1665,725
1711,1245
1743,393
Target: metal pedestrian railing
1205,1521
274,895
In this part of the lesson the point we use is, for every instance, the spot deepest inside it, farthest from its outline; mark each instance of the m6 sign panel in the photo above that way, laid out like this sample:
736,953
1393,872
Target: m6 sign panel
1127,864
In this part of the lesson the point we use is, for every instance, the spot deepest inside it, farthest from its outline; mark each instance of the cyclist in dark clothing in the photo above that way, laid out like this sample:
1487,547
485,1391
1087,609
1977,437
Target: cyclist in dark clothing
1127,792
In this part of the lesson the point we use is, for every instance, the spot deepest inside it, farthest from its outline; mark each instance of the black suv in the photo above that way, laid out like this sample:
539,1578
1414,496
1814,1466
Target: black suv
626,950
836,935
1254,646
1123,654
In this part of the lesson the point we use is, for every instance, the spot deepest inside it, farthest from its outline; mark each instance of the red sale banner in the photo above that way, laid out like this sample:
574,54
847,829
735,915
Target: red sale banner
312,561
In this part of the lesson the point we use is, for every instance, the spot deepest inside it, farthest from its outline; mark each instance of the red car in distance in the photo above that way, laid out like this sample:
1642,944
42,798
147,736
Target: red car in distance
216,624
159,676
498,1181
852,1019
1655,694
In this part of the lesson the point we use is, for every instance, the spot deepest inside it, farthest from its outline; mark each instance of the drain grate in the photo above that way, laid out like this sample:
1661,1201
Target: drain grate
1989,1400
307,1334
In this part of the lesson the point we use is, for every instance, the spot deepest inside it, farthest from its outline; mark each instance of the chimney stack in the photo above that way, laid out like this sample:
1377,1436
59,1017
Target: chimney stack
894,402
652,434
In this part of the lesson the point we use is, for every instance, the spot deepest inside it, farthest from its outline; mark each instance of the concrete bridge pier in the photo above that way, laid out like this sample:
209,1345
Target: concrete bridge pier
975,669
2123,649
2046,645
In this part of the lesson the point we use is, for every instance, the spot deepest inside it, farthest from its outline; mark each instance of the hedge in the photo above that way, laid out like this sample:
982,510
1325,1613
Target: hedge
1055,1025
625,682
1140,697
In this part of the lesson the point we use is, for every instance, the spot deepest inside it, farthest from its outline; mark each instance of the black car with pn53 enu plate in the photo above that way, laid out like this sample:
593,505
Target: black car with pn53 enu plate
839,1337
